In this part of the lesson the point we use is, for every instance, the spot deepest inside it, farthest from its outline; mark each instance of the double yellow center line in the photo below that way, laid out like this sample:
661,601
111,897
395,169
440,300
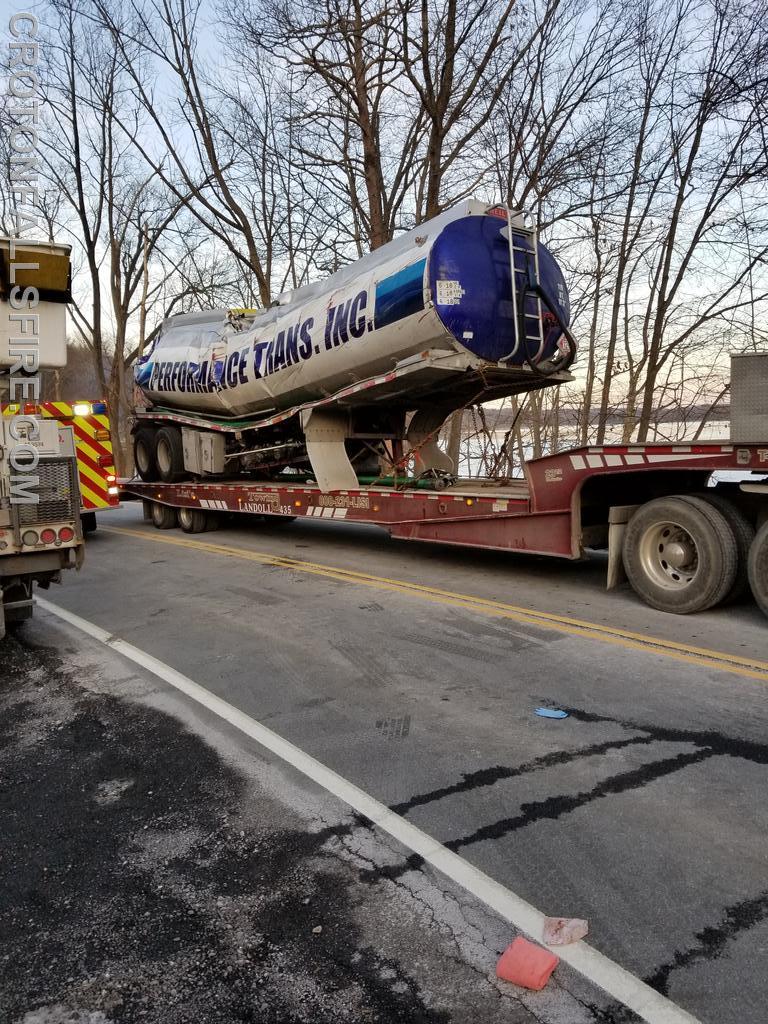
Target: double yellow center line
750,668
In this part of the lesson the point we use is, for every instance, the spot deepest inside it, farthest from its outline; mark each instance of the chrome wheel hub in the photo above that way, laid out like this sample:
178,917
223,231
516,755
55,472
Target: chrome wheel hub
669,556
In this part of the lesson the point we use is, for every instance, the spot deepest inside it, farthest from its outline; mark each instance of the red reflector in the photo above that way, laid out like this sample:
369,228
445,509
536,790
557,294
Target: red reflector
106,461
66,533
48,536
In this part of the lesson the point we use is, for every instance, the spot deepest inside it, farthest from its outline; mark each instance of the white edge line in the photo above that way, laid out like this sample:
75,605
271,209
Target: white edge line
593,965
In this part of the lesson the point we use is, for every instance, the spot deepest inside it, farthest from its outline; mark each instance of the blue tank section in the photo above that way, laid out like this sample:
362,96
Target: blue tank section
400,295
470,284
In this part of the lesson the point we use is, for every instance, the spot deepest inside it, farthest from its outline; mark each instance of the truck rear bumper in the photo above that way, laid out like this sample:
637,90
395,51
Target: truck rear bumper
33,562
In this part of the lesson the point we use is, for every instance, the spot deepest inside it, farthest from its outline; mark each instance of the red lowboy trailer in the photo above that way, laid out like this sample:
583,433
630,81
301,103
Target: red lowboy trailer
684,545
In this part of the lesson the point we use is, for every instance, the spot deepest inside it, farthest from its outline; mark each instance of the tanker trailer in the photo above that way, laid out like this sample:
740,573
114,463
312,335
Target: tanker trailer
466,307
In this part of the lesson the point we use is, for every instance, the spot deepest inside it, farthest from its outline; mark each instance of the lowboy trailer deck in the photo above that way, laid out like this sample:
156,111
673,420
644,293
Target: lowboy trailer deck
685,546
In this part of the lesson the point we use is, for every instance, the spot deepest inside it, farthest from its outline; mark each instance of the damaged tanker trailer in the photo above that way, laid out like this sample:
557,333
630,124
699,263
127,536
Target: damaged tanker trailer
340,377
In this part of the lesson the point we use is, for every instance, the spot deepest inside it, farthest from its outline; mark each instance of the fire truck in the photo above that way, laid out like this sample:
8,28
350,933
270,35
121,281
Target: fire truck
93,444
40,527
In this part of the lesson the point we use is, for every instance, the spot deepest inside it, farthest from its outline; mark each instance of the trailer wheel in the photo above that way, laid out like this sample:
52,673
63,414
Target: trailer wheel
169,455
163,516
144,453
758,568
18,595
193,520
680,554
744,534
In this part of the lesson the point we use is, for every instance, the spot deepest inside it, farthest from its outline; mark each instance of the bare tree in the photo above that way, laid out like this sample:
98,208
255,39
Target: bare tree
116,209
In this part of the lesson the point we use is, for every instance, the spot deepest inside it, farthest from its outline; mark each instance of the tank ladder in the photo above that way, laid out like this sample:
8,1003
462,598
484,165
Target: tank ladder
521,263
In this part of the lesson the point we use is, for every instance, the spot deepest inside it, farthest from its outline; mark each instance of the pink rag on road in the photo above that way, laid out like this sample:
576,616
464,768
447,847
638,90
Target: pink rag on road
526,964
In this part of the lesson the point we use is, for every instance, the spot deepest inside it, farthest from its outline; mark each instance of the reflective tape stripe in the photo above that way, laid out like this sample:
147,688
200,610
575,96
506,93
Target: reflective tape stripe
91,450
55,409
92,499
92,480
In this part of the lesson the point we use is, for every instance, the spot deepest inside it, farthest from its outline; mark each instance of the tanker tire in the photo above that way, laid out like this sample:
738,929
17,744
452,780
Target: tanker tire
169,455
144,453
88,521
680,554
163,516
193,520
744,533
758,568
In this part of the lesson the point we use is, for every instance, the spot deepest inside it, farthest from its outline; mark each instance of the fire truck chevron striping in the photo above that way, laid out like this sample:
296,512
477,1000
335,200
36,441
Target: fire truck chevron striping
93,439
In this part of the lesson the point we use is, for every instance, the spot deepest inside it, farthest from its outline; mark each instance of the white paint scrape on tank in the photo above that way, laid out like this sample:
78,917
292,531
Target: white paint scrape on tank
446,285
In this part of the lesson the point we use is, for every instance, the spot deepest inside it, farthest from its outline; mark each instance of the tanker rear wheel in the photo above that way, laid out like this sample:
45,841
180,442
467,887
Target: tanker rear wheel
758,568
144,453
169,455
163,516
193,520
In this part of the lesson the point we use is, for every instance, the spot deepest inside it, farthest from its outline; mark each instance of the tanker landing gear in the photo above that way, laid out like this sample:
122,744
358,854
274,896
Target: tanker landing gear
422,438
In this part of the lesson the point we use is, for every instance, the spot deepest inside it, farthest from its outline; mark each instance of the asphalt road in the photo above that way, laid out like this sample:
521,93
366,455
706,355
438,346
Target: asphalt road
157,868
643,811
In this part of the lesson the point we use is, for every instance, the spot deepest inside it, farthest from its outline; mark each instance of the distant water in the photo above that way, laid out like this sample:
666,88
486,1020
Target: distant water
473,464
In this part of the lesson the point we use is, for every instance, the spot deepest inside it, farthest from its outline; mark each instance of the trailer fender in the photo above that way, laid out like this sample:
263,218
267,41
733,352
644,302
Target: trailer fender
618,517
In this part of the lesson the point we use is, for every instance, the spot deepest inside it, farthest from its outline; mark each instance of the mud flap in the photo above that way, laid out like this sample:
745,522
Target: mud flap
618,517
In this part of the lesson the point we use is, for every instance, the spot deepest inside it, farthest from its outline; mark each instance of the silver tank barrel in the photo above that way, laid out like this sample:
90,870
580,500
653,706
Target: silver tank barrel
447,284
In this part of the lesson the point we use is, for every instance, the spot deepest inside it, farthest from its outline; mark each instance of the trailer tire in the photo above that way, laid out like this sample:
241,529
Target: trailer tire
19,592
758,568
193,520
163,516
144,453
680,554
169,455
744,534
